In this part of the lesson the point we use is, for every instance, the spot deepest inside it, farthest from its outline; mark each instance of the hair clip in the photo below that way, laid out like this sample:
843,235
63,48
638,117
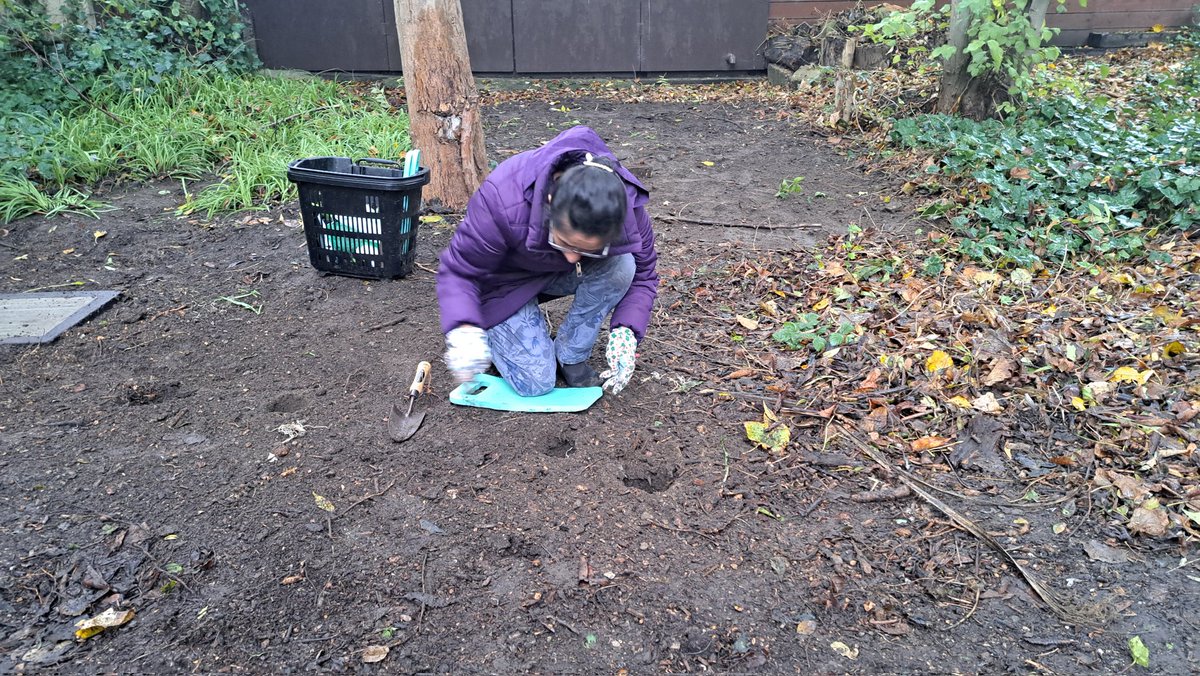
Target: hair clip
589,162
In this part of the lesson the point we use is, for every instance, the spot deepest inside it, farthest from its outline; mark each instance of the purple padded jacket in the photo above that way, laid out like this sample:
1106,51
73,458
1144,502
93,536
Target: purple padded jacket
499,258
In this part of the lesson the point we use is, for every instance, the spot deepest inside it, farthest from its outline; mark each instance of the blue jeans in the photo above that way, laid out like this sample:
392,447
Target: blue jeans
521,345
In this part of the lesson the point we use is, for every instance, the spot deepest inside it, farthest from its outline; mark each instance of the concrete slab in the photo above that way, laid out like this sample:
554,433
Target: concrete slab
42,317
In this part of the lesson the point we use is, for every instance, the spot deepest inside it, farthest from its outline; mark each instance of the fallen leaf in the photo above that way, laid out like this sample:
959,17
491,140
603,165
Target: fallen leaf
844,650
747,322
806,627
1098,551
871,382
323,503
1059,528
292,579
1021,277
1139,651
1157,28
821,304
1019,173
985,277
87,628
740,373
960,401
708,163
68,251
1002,370
987,403
1125,374
938,361
926,443
98,234
1152,522
1173,348
431,218
775,439
375,653
1078,403
1168,316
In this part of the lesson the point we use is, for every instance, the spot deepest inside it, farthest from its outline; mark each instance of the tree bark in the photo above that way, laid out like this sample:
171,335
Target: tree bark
443,102
959,92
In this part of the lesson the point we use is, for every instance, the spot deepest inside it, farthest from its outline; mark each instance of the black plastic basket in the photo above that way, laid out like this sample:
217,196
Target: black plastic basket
360,216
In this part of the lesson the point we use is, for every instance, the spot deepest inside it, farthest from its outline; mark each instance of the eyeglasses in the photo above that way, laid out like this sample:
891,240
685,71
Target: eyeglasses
603,253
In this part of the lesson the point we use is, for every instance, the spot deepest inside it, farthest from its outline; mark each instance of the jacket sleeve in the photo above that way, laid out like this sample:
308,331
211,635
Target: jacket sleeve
634,309
477,248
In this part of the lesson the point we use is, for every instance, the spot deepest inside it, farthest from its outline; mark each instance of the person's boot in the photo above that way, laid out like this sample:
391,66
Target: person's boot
579,375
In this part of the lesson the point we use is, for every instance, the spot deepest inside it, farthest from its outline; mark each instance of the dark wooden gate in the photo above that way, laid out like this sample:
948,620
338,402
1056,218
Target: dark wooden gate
524,36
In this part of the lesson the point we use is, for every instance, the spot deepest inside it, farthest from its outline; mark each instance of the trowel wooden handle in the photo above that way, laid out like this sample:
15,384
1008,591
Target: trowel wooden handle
418,383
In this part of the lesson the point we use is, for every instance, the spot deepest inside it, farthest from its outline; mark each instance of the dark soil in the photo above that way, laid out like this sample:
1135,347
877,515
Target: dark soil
143,466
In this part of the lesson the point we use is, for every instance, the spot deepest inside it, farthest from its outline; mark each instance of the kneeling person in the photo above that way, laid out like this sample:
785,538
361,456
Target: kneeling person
563,220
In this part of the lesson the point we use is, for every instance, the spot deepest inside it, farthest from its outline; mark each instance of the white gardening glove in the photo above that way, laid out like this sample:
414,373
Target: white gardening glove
467,352
621,354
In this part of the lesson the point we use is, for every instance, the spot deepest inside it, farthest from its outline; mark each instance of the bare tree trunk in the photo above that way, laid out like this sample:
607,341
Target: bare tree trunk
955,79
443,103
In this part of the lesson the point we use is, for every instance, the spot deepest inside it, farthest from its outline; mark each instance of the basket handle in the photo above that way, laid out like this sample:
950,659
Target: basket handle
376,159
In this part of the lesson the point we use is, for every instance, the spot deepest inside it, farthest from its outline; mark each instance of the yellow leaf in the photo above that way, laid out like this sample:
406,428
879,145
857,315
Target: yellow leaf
1128,374
774,439
926,443
1058,528
431,218
1050,310
1123,278
98,234
1173,348
1167,316
1157,28
961,401
112,617
768,415
985,277
821,304
747,322
1078,403
323,503
67,252
707,163
937,361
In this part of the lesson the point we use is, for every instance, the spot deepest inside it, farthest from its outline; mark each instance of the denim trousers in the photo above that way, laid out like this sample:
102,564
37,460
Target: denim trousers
522,349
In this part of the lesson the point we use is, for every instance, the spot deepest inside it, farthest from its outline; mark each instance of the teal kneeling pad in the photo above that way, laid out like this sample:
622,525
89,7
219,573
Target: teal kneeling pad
491,392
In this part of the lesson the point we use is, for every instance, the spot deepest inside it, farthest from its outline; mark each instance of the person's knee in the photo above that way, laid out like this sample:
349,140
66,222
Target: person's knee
621,271
535,381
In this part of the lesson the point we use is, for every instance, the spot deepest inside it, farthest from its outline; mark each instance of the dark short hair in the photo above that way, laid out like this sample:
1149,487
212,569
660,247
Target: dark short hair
591,199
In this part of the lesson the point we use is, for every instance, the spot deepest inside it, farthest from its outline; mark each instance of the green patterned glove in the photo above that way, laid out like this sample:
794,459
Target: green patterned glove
621,354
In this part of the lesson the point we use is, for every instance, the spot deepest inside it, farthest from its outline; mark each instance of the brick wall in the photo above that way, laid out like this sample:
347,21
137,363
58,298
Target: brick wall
1101,16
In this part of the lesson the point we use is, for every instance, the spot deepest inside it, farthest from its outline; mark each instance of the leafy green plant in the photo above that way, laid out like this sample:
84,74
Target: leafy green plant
790,186
808,330
47,66
1071,178
1002,39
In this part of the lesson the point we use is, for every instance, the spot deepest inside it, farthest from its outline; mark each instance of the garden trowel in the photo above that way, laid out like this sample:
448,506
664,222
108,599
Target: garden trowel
402,424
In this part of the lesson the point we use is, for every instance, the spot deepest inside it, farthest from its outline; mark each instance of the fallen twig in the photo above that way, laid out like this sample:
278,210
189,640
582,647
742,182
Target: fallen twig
725,224
386,324
1092,615
883,494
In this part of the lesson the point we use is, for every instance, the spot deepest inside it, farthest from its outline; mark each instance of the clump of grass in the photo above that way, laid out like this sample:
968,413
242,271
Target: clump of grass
20,197
244,129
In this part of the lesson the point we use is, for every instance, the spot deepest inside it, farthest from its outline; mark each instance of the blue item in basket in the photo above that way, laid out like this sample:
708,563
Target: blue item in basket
412,164
488,391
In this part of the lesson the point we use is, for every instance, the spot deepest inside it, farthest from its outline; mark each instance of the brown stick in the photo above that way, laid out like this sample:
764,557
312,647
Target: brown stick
724,224
883,494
